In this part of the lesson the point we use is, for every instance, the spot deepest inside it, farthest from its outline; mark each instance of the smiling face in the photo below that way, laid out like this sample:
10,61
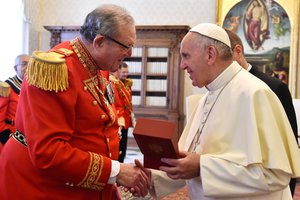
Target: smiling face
108,54
194,60
123,73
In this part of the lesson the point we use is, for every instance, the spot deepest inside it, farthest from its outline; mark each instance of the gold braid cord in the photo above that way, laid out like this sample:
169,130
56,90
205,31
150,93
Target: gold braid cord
48,71
123,89
93,174
4,89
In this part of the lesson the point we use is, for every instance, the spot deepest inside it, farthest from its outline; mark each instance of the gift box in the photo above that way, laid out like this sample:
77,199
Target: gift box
156,139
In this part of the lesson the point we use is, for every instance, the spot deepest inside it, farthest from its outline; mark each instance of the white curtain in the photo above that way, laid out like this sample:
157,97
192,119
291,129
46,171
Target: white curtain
13,35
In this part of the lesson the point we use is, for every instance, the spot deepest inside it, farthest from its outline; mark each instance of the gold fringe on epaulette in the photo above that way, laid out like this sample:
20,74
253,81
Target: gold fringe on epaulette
47,76
4,89
129,82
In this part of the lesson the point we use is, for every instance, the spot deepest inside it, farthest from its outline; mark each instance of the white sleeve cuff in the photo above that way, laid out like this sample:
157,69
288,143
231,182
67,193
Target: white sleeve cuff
115,169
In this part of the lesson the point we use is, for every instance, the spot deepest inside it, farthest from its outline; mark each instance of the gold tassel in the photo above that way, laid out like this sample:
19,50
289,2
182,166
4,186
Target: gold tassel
4,89
129,82
47,71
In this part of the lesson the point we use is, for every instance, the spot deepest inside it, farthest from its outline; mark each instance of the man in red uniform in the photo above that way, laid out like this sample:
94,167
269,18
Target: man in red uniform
9,96
67,144
123,103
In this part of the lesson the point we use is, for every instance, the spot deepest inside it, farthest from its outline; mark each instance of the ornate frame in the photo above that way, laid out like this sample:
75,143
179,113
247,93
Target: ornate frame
292,7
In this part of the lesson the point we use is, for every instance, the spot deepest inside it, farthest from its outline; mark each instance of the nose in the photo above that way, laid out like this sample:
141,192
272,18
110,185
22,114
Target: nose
129,52
182,65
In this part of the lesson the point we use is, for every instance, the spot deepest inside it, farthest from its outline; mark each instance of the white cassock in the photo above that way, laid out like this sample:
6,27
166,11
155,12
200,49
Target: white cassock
247,147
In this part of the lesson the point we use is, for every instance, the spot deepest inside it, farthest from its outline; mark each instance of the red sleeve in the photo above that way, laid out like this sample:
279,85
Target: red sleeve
3,110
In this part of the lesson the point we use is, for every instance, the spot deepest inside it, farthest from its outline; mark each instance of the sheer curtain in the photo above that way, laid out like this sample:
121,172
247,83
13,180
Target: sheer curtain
13,35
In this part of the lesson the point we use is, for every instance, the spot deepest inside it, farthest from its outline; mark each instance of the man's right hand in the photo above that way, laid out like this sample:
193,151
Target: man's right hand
133,177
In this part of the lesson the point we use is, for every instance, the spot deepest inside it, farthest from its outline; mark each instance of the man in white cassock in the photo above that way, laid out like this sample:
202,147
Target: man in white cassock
238,143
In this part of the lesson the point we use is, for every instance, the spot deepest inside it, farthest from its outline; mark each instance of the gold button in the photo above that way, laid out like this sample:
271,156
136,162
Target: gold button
85,88
110,155
94,103
102,116
120,152
107,139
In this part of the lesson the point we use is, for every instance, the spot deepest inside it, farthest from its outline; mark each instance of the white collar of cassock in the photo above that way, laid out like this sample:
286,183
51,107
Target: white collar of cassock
224,77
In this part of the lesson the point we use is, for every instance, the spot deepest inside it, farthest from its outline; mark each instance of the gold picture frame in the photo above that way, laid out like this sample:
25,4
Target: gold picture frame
292,8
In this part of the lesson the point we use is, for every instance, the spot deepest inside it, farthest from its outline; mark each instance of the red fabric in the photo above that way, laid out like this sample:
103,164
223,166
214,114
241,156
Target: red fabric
68,141
123,100
105,74
8,107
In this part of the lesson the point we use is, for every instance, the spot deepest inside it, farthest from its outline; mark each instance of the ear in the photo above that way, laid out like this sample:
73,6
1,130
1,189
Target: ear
211,54
98,41
238,49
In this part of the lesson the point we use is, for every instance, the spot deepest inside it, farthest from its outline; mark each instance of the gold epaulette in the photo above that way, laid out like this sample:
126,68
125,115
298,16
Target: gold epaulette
129,82
113,79
48,70
4,89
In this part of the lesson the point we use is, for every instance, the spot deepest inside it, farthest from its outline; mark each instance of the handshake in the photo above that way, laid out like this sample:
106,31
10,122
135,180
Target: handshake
135,178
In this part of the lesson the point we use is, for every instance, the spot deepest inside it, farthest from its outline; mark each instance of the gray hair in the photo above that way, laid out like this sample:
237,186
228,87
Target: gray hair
225,51
105,20
20,58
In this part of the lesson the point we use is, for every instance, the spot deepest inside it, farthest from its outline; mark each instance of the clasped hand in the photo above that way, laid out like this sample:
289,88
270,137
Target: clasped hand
134,179
137,179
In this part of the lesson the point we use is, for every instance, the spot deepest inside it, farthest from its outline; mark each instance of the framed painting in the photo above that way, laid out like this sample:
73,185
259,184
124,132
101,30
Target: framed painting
269,31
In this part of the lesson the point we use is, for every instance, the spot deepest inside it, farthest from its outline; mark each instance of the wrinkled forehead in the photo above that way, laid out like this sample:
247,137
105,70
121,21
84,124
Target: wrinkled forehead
22,59
127,32
25,58
190,40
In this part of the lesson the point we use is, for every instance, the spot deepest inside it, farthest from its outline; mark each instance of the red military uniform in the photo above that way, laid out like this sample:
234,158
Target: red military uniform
123,101
8,106
71,135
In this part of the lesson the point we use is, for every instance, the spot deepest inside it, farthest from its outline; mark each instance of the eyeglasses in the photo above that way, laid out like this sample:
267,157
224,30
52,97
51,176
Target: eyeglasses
119,43
22,64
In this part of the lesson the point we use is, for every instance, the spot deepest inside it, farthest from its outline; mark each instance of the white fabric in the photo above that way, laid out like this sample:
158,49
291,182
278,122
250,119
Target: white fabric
212,31
247,147
191,103
249,67
115,170
296,103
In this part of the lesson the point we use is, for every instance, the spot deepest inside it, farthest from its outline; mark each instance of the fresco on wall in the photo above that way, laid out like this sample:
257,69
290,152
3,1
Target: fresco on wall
265,30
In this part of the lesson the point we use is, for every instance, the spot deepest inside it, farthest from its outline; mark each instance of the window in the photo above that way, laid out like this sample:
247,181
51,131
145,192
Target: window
11,35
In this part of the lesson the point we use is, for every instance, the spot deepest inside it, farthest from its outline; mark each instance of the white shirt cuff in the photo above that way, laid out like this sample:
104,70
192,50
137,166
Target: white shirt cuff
115,169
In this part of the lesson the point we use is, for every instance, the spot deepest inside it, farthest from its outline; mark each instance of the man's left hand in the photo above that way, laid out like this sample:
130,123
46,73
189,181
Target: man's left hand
187,167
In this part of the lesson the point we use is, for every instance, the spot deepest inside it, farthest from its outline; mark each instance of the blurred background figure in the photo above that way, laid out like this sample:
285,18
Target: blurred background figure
282,74
9,97
123,103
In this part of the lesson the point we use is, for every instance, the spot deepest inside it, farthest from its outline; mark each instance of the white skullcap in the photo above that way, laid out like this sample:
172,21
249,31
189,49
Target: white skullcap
212,31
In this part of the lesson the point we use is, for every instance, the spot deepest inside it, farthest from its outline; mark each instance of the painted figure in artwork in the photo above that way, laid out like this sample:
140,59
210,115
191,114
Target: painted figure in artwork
234,23
256,24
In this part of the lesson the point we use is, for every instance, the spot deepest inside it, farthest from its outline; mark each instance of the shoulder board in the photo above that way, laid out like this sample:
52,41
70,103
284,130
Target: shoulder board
129,82
47,71
4,89
63,51
112,78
